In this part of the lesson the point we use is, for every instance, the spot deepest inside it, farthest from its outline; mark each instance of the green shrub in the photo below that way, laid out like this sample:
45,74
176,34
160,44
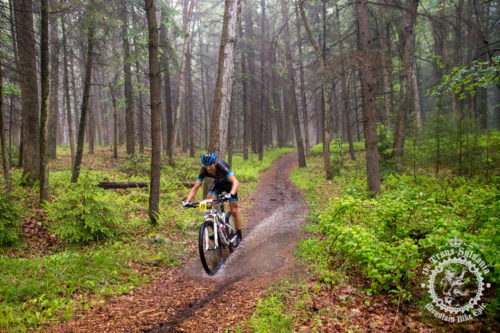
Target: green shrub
83,213
37,291
9,219
270,316
387,238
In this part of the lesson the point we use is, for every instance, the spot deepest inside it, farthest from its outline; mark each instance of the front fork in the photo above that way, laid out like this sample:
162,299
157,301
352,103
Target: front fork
207,239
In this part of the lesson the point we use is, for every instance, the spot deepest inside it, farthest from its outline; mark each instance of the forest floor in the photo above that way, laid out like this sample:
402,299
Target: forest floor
185,299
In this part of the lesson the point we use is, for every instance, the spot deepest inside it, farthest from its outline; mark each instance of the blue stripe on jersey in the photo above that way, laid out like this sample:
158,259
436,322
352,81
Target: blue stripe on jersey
199,179
230,173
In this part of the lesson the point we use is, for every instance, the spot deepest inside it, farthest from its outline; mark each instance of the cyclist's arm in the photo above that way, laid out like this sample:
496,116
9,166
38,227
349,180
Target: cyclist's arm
235,183
193,191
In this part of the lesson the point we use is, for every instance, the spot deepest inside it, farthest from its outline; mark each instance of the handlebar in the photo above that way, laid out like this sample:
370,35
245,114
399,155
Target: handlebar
220,198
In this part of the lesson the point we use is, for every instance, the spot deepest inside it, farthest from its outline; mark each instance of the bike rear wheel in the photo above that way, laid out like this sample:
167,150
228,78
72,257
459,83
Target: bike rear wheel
210,252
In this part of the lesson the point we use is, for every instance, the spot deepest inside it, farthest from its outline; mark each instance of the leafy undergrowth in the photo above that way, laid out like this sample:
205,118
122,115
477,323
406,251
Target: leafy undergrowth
88,243
378,246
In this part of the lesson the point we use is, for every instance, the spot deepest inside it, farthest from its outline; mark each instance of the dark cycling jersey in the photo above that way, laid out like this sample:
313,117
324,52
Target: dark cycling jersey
221,182
222,172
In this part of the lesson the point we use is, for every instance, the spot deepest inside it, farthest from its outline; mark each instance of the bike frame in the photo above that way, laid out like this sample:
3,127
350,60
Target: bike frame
218,217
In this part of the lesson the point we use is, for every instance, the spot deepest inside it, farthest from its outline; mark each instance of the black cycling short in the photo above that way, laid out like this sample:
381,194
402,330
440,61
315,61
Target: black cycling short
223,186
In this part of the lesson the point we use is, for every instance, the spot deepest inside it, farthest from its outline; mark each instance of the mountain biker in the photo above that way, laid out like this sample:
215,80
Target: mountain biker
224,181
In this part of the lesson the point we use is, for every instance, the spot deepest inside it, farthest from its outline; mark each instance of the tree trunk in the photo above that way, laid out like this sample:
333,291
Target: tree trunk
344,92
66,94
224,83
253,98
385,60
325,98
189,104
75,95
244,88
262,111
180,85
368,94
86,97
291,87
27,69
140,114
54,87
168,131
129,109
407,77
277,101
5,158
155,101
115,119
44,111
303,99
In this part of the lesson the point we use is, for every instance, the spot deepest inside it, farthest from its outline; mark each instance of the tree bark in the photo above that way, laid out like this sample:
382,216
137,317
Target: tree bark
180,85
5,157
168,130
407,77
245,93
54,87
368,94
344,92
325,98
224,83
262,111
115,119
129,109
303,99
27,69
155,101
253,98
189,104
291,87
44,111
140,113
69,117
86,95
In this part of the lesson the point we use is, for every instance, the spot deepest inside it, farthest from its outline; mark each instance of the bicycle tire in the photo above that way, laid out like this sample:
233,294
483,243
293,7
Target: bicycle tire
211,258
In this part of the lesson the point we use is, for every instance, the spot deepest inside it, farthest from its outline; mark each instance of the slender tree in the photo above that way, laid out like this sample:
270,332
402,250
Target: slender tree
44,112
180,84
343,87
303,99
54,84
325,124
129,109
155,101
5,158
27,69
291,86
86,93
368,95
224,83
407,76
69,116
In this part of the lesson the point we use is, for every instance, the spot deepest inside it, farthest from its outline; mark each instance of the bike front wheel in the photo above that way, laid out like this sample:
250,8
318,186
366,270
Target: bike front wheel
210,251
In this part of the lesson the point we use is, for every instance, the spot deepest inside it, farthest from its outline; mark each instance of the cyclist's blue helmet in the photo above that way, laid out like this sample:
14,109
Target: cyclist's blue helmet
208,158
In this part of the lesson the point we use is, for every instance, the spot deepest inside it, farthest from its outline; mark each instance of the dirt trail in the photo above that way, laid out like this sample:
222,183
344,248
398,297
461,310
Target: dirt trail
187,300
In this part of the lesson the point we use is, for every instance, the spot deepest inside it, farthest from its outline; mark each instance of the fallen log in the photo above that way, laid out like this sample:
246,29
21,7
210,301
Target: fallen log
109,185
112,185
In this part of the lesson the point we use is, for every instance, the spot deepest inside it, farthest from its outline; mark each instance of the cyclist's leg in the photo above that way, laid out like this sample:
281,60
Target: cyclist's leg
233,205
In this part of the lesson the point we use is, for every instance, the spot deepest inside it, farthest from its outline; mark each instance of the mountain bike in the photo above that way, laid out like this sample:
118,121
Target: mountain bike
217,233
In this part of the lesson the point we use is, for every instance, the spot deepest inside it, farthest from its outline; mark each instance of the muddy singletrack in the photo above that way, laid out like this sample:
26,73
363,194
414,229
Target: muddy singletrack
187,300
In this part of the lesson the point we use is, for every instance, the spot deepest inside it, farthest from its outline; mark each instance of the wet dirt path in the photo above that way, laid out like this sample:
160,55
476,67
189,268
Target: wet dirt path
187,300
